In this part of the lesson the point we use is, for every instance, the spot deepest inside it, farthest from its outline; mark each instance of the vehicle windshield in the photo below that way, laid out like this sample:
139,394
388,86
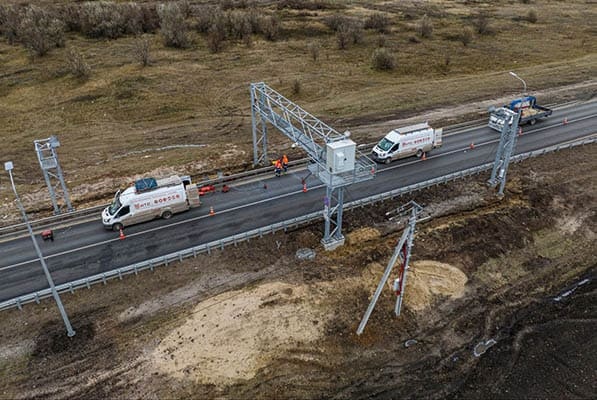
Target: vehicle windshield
385,144
115,206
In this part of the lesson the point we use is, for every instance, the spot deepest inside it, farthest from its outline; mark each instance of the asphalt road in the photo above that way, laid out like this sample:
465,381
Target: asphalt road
86,249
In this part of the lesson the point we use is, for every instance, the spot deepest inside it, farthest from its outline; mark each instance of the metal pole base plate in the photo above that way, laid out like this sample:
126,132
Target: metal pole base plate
332,243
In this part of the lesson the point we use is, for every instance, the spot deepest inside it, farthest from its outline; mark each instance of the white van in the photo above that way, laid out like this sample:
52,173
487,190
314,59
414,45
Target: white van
408,141
150,198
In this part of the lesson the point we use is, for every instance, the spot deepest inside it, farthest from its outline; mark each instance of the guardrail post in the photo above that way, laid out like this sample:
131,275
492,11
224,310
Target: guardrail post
87,283
70,288
19,304
151,266
104,279
119,274
36,297
208,250
166,261
194,252
135,269
180,257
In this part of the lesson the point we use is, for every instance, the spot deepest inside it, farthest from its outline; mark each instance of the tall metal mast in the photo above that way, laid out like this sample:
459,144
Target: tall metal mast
402,253
505,149
337,163
48,160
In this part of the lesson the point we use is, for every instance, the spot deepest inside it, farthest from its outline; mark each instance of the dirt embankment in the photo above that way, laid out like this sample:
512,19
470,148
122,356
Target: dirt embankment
254,322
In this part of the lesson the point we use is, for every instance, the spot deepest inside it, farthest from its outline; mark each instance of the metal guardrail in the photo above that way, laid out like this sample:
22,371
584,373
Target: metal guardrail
258,233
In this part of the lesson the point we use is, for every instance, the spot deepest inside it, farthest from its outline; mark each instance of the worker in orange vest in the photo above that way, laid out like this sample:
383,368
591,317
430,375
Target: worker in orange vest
278,167
285,163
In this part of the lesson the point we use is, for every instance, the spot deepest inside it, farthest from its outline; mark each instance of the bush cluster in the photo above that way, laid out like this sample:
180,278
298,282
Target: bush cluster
383,60
173,26
40,30
425,27
305,5
378,21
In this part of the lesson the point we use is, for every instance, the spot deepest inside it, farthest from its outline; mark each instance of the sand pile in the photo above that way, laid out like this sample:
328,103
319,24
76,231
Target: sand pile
427,279
230,336
362,235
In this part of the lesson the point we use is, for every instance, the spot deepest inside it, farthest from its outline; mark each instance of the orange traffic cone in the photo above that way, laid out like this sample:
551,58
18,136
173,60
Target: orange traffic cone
304,188
121,235
424,157
565,120
472,146
211,211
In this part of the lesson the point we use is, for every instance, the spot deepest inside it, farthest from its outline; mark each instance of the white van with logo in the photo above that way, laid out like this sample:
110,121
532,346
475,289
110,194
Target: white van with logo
409,141
150,198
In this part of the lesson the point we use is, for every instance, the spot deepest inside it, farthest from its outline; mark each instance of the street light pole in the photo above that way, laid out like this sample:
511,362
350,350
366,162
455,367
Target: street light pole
522,80
69,329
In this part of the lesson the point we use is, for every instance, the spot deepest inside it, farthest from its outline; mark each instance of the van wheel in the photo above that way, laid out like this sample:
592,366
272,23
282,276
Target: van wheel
117,226
419,153
166,214
533,121
388,160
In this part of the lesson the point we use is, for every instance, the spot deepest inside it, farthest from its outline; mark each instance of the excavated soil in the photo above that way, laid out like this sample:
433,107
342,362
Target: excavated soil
253,321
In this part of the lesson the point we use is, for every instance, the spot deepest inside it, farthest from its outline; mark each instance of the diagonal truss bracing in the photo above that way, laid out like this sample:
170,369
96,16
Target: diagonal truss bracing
316,138
300,126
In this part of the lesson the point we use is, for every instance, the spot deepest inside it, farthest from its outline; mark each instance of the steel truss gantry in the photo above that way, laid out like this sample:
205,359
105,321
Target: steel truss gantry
504,151
402,251
48,161
316,138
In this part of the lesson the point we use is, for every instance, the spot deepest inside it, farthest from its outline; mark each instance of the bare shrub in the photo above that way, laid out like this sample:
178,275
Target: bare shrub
215,38
425,27
466,36
70,14
314,49
76,63
10,20
112,20
40,30
173,27
350,32
381,40
378,21
481,24
270,27
304,4
383,60
414,39
446,65
238,25
335,21
296,87
531,16
525,1
150,21
141,50
207,16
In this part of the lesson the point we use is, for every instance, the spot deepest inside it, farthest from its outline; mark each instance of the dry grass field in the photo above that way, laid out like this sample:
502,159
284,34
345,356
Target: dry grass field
115,123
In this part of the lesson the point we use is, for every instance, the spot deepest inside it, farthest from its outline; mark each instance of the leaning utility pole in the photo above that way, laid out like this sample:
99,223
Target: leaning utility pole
505,149
402,252
48,160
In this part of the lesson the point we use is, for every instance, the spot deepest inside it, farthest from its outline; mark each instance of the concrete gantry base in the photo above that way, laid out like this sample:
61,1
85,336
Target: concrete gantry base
332,243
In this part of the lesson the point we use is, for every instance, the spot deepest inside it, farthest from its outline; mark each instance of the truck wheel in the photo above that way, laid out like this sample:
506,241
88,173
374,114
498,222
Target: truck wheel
419,153
166,214
533,121
117,226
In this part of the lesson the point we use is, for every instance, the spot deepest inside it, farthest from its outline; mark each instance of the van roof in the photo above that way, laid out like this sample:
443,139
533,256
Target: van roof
412,128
